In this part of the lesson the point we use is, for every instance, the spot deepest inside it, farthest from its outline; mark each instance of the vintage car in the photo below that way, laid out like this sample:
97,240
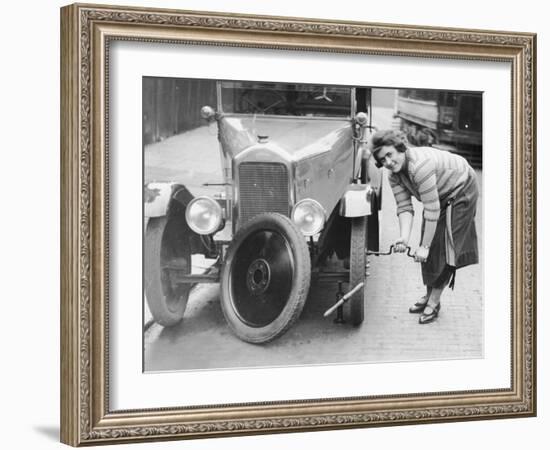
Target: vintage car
298,190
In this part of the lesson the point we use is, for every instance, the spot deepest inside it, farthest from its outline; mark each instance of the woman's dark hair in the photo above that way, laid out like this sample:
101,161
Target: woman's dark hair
384,138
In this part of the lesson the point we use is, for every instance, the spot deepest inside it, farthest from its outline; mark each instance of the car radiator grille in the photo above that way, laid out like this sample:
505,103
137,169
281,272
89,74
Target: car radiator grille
263,187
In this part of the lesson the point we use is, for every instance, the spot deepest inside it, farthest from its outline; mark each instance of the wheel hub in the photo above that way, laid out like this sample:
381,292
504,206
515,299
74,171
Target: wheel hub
258,276
261,277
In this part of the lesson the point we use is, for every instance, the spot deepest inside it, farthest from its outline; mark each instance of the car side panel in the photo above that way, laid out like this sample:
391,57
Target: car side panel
325,176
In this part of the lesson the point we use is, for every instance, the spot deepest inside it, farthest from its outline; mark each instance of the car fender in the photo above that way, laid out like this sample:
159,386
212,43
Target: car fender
171,199
159,198
356,201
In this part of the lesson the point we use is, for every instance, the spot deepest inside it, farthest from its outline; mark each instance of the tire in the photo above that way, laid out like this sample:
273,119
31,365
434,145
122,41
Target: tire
357,272
265,278
167,251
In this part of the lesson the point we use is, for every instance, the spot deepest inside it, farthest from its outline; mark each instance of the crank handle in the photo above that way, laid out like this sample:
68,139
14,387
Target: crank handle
389,252
343,300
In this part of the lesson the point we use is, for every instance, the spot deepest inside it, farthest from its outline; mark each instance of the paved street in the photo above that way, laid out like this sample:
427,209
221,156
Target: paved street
390,333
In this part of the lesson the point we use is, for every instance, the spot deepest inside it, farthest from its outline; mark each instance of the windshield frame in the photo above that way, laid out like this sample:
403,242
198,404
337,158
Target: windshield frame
352,106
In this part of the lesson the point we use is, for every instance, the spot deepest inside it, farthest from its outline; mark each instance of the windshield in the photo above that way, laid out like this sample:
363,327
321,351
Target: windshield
285,99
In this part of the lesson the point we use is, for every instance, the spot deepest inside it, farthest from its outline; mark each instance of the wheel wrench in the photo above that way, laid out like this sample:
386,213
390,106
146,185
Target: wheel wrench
346,297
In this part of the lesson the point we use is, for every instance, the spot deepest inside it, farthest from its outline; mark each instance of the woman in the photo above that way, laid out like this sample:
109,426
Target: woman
447,187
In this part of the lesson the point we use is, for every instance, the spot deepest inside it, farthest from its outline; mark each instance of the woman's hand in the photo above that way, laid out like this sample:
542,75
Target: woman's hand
421,254
400,245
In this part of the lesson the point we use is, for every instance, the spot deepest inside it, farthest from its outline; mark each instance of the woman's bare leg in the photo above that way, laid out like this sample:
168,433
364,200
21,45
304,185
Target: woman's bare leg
431,310
434,298
426,297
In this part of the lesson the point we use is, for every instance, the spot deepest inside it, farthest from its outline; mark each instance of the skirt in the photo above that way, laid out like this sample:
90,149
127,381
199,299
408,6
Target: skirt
455,241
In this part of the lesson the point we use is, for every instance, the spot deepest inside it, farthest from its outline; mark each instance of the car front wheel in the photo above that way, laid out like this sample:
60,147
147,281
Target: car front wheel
167,255
357,272
265,278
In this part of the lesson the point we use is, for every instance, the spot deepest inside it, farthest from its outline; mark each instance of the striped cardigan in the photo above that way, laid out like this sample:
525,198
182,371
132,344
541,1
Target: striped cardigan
433,176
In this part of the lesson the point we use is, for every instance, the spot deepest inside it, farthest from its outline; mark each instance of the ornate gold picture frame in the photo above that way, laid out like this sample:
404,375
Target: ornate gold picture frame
87,414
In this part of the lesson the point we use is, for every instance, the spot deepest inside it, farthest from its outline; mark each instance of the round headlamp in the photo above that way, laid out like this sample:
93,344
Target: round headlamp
309,216
204,215
361,118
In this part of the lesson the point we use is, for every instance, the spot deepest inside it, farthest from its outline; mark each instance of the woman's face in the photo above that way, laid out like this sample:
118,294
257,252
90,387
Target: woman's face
390,158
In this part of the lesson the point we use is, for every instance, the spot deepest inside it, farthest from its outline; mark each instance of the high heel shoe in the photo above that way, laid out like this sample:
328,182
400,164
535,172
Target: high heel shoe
429,317
419,306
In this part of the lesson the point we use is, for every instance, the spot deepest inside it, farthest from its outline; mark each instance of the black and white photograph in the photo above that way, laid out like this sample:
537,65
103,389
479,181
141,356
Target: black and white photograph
291,224
221,210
